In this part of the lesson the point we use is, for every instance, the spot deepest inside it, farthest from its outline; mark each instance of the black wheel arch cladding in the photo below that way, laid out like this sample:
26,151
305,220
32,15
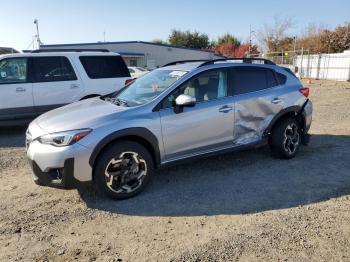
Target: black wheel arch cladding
136,134
294,111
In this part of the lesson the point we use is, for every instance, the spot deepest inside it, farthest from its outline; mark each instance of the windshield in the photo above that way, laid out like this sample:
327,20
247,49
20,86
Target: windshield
147,87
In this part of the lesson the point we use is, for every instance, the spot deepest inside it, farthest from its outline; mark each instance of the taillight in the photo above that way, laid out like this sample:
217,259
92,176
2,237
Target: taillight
128,81
305,91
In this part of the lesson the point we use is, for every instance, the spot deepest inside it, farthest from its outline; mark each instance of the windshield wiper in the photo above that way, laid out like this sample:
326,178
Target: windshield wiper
116,101
121,102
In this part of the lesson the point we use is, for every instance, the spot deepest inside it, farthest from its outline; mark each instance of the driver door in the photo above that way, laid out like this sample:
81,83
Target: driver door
208,126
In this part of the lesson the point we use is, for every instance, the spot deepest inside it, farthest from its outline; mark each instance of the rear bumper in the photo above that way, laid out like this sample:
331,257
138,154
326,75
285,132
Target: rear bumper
307,112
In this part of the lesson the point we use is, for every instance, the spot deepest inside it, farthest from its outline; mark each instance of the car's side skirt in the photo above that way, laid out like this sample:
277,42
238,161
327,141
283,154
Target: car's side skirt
212,152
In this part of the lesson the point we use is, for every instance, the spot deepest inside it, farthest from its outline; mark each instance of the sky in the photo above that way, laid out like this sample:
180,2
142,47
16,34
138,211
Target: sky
79,21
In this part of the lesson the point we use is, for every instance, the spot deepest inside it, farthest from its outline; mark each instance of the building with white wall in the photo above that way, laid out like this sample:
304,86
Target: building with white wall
143,54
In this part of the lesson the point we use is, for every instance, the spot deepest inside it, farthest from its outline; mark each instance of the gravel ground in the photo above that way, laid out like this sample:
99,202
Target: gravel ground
240,206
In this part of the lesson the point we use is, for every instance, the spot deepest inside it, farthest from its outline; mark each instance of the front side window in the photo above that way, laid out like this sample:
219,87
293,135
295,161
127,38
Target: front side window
146,88
13,70
206,86
48,69
98,67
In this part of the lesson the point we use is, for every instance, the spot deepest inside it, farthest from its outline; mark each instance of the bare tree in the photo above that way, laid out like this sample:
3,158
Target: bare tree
272,36
314,38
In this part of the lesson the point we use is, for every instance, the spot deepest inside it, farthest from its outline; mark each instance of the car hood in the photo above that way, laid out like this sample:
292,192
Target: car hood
87,113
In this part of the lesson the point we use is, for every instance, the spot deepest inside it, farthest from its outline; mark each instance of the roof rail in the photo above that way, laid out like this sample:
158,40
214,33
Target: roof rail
185,61
69,50
249,60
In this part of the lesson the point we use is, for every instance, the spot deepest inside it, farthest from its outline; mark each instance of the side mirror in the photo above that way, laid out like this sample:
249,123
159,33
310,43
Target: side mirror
185,100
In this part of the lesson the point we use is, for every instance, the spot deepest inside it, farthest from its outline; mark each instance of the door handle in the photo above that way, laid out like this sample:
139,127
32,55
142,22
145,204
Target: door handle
20,89
276,101
73,86
225,109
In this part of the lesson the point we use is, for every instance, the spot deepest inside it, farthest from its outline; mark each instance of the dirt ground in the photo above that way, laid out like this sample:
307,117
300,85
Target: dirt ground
241,206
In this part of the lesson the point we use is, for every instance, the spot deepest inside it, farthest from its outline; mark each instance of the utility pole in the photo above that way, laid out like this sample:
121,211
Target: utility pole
347,36
294,54
104,36
250,40
295,43
36,22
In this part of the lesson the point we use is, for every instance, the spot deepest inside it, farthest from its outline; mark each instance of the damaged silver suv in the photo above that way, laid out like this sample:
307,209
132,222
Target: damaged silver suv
183,110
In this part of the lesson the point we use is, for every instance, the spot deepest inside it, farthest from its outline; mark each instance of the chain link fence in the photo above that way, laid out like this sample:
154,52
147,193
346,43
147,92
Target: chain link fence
316,66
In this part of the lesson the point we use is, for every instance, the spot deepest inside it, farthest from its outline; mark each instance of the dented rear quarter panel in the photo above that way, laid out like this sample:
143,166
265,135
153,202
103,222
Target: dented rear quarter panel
254,111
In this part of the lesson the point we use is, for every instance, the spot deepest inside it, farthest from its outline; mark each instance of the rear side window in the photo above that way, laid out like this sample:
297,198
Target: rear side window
52,68
251,79
104,66
13,70
282,79
271,79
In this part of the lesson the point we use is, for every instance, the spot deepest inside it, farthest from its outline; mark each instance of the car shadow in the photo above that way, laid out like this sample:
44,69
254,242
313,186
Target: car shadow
13,136
241,183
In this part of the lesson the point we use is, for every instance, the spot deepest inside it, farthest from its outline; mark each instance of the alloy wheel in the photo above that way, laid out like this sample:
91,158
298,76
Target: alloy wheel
125,173
291,138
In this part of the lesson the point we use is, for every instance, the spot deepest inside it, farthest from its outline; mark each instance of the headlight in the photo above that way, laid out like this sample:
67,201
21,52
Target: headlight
65,138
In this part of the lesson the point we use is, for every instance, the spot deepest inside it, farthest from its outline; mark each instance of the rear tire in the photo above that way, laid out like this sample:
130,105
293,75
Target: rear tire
123,170
285,139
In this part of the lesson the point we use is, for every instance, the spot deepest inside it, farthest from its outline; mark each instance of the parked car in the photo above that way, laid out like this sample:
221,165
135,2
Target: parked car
136,72
174,113
33,83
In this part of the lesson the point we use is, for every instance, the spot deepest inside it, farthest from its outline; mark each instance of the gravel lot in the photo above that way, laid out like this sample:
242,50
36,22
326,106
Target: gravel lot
240,206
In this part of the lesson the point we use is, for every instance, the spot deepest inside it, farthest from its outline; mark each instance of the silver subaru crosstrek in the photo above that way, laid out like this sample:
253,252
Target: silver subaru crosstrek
181,111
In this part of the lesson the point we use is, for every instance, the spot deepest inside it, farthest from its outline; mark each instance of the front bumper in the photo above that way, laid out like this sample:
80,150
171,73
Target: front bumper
62,167
56,177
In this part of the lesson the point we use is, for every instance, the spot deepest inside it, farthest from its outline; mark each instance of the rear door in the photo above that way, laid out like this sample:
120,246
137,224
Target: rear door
104,73
257,101
55,83
16,98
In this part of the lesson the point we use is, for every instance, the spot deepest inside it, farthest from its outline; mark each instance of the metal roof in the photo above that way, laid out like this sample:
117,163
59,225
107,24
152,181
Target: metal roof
130,42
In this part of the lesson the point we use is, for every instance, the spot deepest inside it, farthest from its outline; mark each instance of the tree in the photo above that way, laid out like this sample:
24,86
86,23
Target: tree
243,50
189,39
272,37
230,50
339,39
228,39
159,41
317,38
225,49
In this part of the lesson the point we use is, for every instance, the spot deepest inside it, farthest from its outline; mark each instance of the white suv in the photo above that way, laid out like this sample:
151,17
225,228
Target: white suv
137,72
33,83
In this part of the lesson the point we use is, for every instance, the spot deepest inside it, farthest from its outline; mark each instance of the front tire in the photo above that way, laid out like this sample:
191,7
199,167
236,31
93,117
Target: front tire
123,170
285,139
